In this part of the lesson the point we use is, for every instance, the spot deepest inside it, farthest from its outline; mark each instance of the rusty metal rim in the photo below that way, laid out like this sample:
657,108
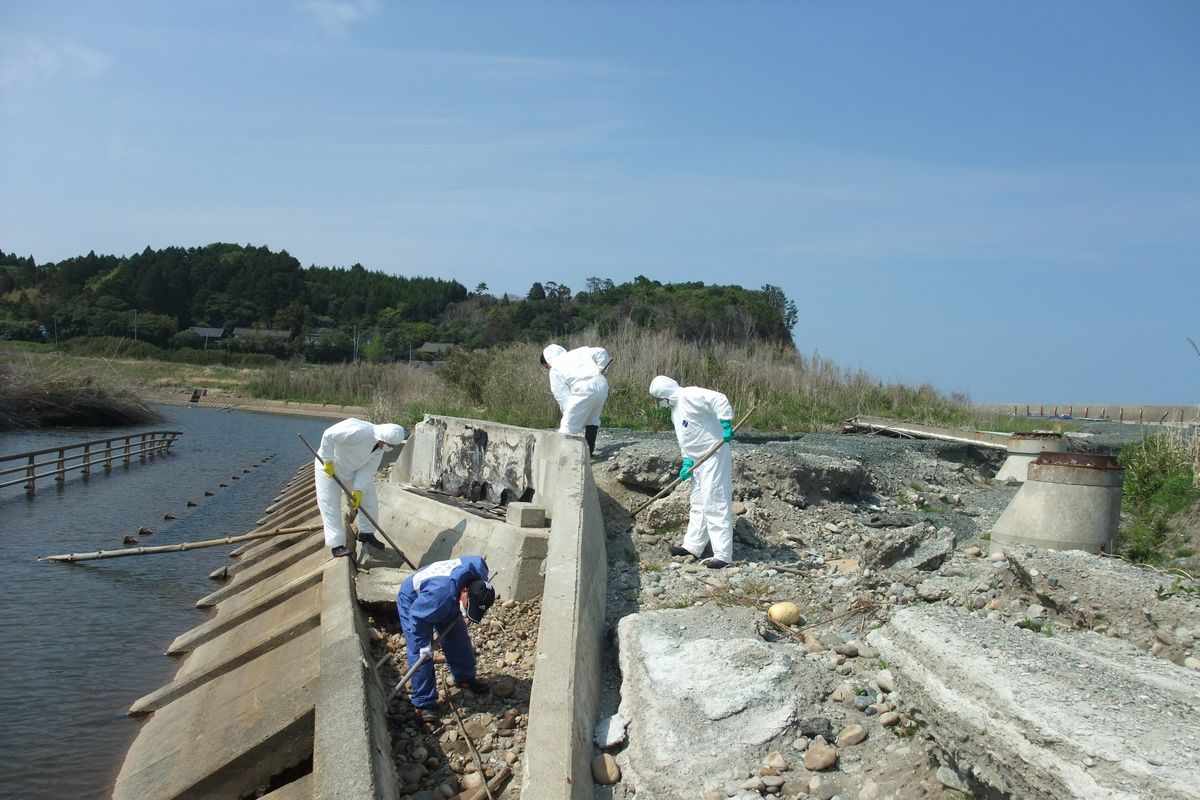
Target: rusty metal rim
1085,460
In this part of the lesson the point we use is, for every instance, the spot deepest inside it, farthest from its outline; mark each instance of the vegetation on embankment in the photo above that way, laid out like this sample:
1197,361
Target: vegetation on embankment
35,397
1160,498
791,393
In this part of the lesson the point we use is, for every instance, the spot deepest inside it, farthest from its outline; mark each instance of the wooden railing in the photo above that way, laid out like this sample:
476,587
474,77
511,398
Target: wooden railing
83,456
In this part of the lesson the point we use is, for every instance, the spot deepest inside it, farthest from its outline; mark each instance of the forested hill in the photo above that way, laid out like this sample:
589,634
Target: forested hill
166,292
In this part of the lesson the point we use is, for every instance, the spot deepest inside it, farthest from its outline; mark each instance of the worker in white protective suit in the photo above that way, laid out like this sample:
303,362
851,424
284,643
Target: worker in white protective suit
578,384
352,450
703,419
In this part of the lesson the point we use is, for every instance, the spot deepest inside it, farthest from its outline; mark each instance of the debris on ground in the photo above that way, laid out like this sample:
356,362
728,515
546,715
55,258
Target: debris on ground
434,761
852,530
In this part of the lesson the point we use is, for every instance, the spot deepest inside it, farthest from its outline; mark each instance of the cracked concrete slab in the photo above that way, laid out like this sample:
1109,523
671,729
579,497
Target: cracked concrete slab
703,698
1073,715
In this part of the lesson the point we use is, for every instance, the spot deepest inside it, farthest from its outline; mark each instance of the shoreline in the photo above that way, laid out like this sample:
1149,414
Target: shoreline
241,403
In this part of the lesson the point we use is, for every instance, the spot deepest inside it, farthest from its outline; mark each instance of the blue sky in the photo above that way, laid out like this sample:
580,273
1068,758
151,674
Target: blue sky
1000,199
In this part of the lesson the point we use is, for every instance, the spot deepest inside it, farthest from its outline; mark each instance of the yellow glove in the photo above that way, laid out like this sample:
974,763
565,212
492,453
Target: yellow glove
329,467
355,499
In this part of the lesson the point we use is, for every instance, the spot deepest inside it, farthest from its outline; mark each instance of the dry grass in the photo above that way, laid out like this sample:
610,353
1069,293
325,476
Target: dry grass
506,384
36,397
792,392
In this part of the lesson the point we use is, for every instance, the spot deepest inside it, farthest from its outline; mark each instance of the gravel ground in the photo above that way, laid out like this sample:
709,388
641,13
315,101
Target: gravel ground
849,528
435,761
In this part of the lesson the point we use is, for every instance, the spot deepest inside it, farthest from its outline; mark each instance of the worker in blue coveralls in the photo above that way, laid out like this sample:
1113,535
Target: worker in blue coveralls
429,600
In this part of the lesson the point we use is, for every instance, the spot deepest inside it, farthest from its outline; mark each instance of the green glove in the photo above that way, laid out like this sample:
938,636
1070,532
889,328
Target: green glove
685,471
727,427
355,499
329,467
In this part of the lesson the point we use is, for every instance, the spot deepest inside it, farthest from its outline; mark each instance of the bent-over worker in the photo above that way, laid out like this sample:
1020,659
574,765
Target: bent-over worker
578,384
703,418
352,449
429,600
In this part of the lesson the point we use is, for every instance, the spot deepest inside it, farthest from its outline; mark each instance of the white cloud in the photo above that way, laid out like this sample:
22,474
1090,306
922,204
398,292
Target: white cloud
338,15
26,60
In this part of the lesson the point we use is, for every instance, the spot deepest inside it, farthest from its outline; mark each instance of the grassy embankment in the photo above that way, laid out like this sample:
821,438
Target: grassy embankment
506,384
792,394
1161,498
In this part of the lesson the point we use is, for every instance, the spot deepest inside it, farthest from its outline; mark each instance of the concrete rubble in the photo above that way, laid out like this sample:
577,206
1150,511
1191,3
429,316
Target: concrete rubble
923,667
1076,714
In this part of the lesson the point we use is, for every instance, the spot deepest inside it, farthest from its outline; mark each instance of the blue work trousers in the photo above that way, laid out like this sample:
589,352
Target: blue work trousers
455,644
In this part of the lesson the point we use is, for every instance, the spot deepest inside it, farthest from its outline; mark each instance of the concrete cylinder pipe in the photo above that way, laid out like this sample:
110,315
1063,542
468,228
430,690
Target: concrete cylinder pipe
1024,448
1069,501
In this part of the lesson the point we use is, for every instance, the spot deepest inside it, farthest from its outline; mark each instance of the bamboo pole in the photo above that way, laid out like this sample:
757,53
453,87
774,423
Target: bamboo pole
365,513
670,487
177,548
467,738
407,676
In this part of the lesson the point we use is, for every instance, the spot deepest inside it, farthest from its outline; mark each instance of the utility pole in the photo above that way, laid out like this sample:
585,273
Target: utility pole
135,324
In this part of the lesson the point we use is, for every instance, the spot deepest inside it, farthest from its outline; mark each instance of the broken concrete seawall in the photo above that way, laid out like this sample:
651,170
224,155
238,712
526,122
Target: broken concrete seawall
277,694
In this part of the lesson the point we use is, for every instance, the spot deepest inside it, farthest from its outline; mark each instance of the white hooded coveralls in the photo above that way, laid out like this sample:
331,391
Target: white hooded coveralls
350,444
696,414
578,385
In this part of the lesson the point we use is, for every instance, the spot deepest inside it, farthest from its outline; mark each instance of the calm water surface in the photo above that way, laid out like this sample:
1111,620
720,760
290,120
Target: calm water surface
80,642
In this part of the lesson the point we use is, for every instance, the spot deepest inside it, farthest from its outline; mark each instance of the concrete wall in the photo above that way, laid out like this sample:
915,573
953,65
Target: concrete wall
471,458
430,530
352,751
566,687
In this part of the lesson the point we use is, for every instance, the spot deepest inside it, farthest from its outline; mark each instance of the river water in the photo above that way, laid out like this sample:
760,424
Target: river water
80,642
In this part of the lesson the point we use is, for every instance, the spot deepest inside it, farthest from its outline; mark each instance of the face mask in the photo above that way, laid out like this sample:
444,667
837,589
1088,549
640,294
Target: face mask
462,607
664,402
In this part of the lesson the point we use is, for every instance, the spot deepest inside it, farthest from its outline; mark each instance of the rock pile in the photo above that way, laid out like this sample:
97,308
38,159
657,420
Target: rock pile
434,762
850,529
